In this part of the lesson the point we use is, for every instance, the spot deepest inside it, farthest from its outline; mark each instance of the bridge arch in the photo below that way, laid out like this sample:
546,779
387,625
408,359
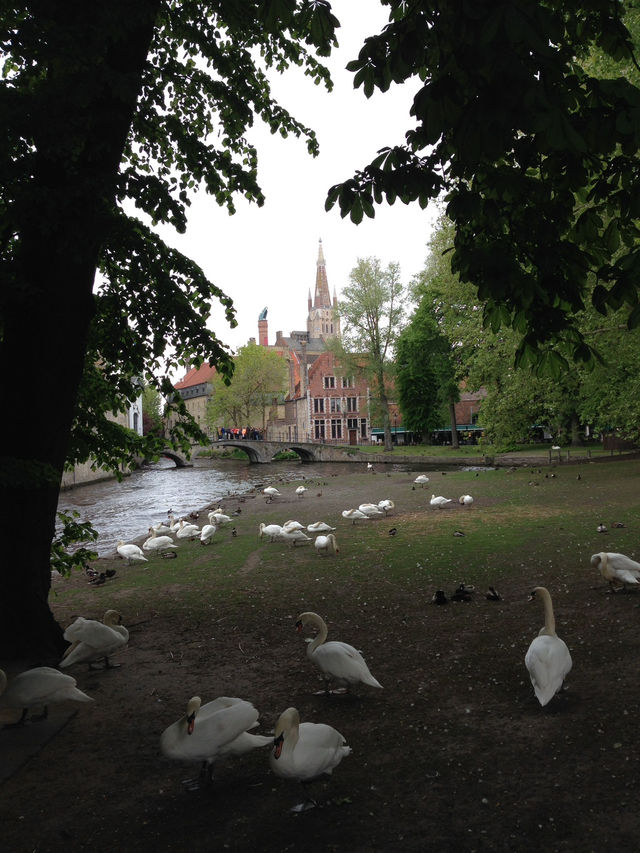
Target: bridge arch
178,458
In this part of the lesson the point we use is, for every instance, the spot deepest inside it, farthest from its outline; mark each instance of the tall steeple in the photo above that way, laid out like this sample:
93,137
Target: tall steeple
321,299
321,322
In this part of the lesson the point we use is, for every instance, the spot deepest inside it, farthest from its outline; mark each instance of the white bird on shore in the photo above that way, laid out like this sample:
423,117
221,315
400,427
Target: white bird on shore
161,528
294,536
271,492
301,490
386,506
439,502
187,530
548,659
326,544
465,500
206,534
92,641
617,569
305,751
218,517
336,660
158,543
353,514
41,685
273,531
207,732
291,524
371,510
130,553
319,527
421,480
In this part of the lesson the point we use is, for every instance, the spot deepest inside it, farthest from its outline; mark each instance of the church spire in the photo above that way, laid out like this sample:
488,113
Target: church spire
322,299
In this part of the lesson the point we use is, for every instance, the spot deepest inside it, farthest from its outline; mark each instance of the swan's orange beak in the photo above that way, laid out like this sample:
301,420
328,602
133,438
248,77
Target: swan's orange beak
277,746
299,626
191,721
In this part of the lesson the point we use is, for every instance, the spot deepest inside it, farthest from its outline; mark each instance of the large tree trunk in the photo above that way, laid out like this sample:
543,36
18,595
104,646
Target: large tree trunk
82,114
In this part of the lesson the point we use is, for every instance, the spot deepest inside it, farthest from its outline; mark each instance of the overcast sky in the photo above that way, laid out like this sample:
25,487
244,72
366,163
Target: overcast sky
266,257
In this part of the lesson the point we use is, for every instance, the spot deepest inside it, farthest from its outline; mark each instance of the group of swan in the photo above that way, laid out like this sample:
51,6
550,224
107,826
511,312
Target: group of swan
294,532
368,510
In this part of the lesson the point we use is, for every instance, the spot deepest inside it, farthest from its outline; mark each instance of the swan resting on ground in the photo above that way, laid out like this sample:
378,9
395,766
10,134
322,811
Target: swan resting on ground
371,510
547,659
305,751
337,661
207,732
617,569
465,500
326,544
320,527
92,640
353,514
41,685
158,543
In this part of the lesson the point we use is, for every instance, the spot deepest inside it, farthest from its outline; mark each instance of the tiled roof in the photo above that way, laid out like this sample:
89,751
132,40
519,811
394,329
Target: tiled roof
196,376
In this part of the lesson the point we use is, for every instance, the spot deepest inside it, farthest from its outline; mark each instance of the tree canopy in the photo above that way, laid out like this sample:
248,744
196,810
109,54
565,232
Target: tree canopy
535,156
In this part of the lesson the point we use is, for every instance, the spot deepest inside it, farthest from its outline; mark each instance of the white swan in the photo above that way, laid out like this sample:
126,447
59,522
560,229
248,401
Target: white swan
353,514
386,506
305,751
273,531
157,543
294,535
371,510
271,492
291,524
218,517
326,544
207,732
338,661
617,569
206,534
187,530
301,490
439,501
319,527
421,480
130,553
547,659
92,640
41,685
465,500
161,528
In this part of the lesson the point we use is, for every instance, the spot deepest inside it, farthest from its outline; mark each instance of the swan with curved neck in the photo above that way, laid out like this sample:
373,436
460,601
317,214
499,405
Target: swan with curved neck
305,751
337,661
326,544
547,660
41,685
92,641
617,569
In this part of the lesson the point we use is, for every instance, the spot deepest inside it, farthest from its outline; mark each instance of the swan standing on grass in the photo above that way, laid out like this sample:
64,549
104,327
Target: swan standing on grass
158,543
305,751
39,686
439,502
617,569
353,514
291,524
320,527
293,535
92,640
386,506
326,544
210,731
186,530
465,500
273,531
271,492
218,517
421,480
206,534
548,659
338,661
371,510
131,553
300,491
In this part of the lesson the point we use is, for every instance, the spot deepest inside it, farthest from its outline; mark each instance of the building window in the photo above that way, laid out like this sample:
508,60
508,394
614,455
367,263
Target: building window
352,404
318,429
335,404
329,381
347,382
352,423
336,428
318,404
363,427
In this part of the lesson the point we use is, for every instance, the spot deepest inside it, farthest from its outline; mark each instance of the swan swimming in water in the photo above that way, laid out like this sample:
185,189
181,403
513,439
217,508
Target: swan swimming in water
305,751
617,569
337,661
41,685
92,640
207,732
547,659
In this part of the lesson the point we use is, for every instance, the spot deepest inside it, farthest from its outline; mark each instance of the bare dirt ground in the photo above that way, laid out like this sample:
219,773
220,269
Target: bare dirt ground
454,754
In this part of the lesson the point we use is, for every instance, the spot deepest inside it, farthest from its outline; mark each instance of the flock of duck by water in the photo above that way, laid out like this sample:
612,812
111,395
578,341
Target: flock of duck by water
301,751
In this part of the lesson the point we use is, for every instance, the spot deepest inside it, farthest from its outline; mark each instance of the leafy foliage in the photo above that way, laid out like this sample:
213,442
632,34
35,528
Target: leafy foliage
72,532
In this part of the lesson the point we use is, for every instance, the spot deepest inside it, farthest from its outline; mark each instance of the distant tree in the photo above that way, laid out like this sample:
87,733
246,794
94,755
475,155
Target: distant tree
371,314
260,374
537,158
104,103
425,375
152,406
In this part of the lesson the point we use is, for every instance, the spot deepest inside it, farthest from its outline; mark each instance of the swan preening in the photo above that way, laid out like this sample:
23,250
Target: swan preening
353,514
371,510
300,491
130,553
207,532
294,535
421,480
207,732
319,527
158,543
438,501
187,530
326,544
337,661
271,492
305,751
41,685
92,640
617,569
273,531
547,659
465,500
386,506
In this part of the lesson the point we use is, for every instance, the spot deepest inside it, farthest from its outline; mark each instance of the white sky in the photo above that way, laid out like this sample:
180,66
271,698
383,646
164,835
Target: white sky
266,257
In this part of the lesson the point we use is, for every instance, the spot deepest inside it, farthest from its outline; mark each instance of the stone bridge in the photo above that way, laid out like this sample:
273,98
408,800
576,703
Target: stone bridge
262,452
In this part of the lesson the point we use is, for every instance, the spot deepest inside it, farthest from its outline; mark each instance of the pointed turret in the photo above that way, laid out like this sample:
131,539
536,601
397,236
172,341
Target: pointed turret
321,322
322,299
